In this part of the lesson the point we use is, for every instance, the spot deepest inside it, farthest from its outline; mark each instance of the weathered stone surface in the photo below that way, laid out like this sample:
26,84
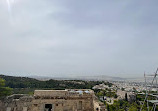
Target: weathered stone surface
53,100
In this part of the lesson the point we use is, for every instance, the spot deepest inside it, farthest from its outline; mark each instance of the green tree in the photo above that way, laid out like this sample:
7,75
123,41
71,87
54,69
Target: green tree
4,91
108,108
126,98
132,108
115,96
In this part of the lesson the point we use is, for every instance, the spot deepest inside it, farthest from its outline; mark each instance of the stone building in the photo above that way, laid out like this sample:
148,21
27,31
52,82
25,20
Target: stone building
53,100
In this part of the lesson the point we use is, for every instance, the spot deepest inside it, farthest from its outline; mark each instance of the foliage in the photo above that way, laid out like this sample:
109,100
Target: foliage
28,85
126,98
122,89
4,91
107,92
120,105
123,105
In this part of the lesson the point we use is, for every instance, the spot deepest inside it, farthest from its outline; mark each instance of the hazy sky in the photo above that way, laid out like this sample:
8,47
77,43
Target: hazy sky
78,37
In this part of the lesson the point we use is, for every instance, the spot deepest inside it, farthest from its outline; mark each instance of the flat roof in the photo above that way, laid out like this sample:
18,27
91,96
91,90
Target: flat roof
50,90
153,101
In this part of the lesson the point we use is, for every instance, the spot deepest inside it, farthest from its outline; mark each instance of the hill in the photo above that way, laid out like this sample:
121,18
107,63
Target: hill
25,84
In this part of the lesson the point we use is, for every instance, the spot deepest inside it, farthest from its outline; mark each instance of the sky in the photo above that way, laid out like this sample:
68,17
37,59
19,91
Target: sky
78,37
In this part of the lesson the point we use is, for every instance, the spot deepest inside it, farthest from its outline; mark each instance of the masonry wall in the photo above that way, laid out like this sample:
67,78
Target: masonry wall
64,105
16,104
2,107
59,100
98,106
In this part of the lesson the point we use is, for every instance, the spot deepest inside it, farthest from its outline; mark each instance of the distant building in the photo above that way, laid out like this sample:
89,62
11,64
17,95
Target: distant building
54,100
130,95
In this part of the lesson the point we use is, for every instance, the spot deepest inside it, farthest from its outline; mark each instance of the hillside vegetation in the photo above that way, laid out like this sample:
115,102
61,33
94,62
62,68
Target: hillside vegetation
28,85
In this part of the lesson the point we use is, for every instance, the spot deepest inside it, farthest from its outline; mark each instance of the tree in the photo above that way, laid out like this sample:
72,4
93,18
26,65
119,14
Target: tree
108,108
126,98
132,108
4,91
122,89
115,96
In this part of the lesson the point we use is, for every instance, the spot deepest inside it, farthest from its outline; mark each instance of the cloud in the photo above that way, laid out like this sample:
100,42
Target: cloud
78,37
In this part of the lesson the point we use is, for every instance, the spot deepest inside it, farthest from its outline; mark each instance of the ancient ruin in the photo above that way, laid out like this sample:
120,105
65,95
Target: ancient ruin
53,100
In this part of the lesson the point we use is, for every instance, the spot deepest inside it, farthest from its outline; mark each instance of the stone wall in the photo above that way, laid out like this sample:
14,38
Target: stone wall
2,107
56,100
50,93
63,100
16,103
64,105
98,106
